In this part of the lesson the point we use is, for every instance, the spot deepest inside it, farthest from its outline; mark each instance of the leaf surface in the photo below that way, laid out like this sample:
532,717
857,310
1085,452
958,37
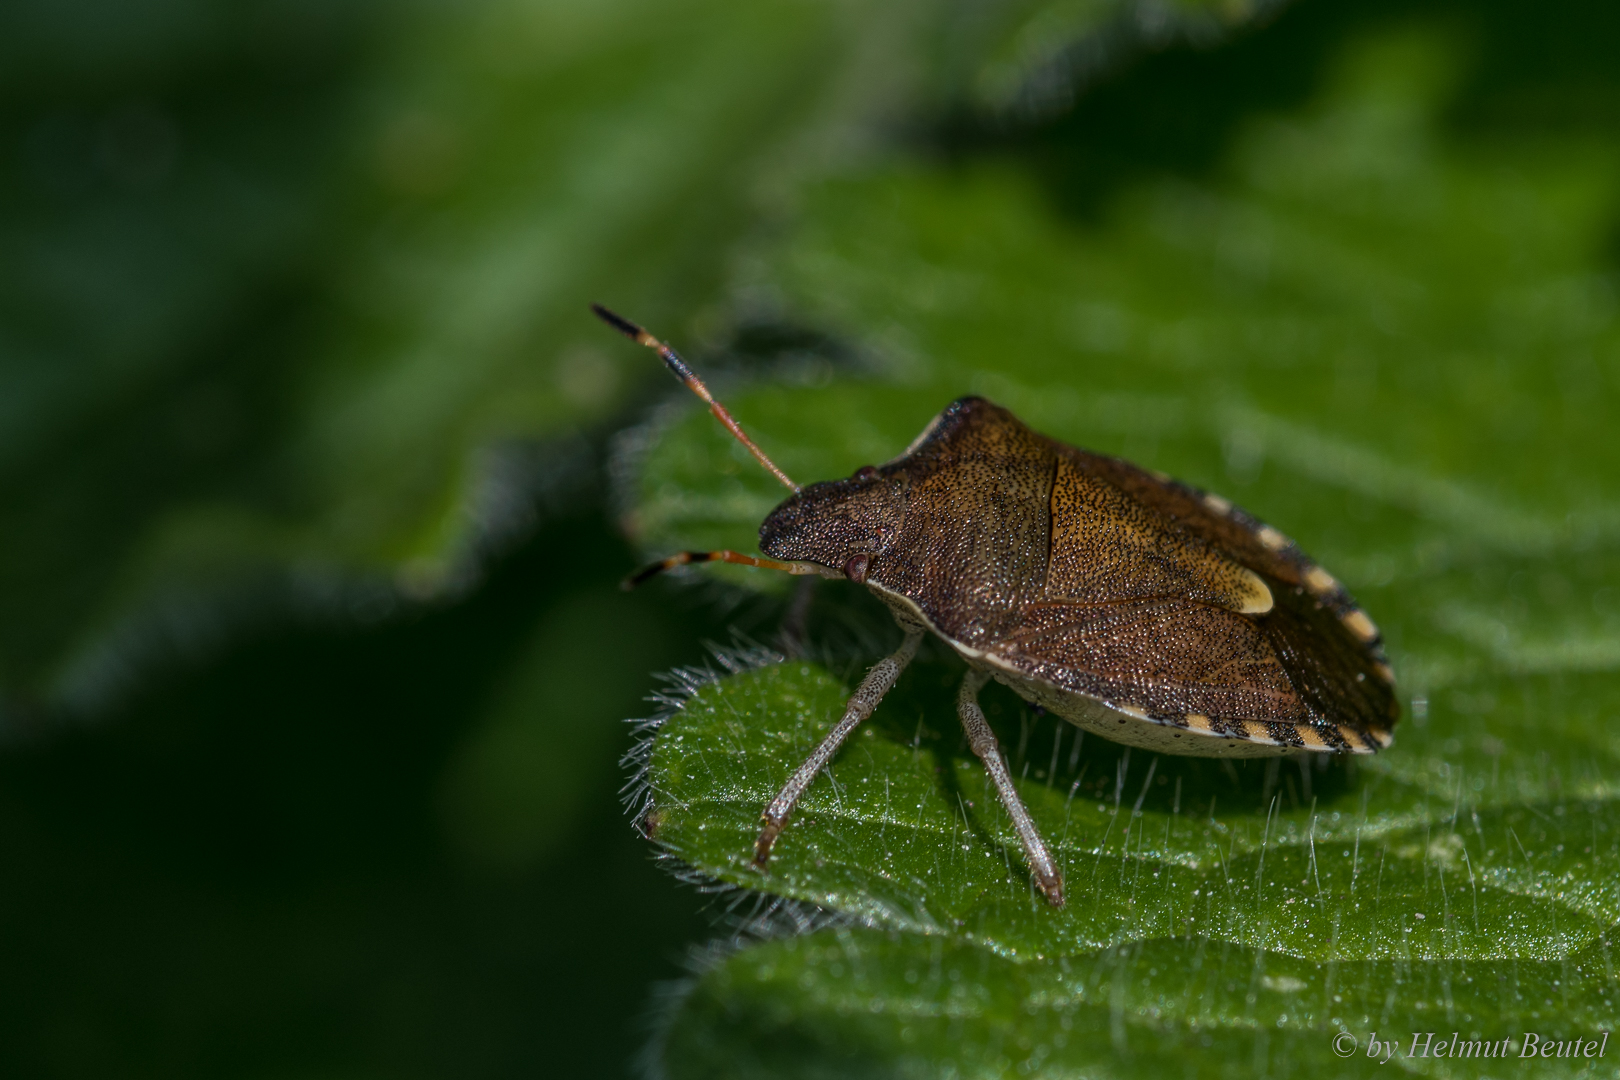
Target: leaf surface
1396,346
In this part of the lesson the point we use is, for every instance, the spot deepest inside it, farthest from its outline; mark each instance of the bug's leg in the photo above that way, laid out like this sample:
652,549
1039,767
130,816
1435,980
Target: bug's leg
878,682
983,741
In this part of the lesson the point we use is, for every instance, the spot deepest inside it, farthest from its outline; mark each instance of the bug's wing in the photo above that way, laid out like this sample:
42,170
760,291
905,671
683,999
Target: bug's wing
1340,677
1330,648
1108,546
972,549
1164,655
1209,520
1199,665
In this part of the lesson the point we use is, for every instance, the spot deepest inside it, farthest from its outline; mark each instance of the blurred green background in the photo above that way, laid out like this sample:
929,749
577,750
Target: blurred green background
312,501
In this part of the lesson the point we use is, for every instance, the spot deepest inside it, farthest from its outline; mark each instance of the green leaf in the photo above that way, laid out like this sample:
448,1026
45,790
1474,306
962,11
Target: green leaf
1502,858
1465,882
1397,346
857,1002
1031,56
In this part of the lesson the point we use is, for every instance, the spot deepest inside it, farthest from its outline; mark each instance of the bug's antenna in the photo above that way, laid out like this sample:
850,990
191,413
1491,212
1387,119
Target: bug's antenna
685,558
673,361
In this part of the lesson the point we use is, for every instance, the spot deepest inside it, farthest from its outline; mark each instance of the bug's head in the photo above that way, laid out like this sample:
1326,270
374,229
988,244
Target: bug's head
843,525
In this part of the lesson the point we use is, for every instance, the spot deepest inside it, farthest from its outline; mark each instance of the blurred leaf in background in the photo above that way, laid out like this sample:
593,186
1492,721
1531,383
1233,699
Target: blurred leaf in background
289,282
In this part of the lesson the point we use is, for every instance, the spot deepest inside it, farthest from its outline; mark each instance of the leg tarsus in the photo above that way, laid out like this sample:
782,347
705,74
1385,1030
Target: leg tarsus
767,839
983,740
877,683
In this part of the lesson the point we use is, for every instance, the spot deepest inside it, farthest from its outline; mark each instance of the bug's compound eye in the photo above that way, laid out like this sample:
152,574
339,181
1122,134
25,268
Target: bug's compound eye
855,567
865,472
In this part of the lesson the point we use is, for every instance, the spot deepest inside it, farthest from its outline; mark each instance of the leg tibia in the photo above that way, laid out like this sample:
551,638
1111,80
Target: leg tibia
983,741
877,683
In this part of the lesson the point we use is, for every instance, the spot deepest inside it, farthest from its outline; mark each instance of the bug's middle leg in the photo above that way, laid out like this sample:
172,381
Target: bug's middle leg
878,682
983,741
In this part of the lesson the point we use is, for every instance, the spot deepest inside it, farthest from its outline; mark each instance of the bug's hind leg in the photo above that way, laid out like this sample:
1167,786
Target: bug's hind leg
983,741
878,682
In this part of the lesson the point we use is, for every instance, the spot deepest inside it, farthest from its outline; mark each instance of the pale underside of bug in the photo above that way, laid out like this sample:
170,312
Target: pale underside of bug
1135,607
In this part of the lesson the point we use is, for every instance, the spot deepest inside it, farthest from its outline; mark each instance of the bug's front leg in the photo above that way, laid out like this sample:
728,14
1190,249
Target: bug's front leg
878,682
983,741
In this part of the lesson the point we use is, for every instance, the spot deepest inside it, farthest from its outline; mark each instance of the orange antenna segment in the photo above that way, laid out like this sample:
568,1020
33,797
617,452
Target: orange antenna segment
683,558
673,361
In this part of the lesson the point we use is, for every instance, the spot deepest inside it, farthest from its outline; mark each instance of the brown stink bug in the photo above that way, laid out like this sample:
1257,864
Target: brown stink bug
1133,606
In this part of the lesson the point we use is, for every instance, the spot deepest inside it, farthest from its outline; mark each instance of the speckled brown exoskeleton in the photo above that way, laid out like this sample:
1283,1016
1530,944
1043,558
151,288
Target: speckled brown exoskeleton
1142,609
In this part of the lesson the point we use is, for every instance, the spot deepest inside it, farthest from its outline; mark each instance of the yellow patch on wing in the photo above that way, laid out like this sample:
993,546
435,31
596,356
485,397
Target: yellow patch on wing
1108,547
1256,596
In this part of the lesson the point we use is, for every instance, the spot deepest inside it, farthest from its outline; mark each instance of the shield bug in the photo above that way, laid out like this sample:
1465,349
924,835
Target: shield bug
1136,607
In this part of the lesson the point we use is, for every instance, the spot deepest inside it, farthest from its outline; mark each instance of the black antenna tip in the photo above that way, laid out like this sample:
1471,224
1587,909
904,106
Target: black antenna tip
618,322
